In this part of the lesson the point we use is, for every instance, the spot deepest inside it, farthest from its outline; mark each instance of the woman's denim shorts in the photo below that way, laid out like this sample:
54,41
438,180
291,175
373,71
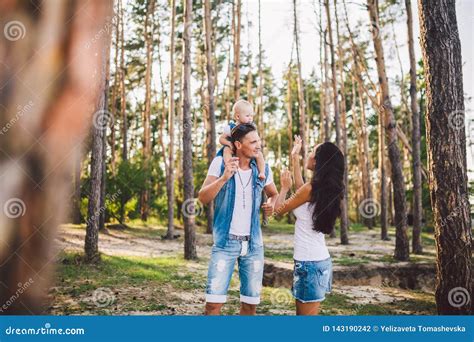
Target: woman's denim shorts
312,280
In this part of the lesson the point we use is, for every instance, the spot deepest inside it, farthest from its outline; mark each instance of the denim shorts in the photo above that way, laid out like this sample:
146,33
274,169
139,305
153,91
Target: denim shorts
312,280
221,268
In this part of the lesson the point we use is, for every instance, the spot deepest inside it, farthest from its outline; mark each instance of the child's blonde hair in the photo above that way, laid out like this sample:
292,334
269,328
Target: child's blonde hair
239,105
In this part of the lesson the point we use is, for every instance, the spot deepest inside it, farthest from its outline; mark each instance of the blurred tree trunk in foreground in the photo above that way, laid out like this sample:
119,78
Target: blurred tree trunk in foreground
51,67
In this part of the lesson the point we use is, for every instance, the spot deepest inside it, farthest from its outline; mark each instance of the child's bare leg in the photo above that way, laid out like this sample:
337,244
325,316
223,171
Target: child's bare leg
261,166
227,154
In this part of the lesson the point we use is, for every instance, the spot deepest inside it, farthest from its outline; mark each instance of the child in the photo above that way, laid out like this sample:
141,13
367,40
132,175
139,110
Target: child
243,113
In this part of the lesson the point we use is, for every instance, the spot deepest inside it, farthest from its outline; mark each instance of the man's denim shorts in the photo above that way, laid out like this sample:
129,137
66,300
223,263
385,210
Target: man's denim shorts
312,280
221,268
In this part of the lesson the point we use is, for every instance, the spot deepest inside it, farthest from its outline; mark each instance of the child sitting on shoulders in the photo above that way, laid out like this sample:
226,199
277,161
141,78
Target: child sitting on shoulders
243,113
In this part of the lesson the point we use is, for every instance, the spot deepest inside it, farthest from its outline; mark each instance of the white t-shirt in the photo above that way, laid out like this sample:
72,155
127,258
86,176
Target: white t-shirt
241,217
310,245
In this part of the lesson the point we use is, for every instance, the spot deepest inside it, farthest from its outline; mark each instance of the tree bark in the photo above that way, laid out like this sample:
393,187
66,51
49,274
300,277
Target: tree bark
103,159
189,230
324,127
261,126
99,129
289,110
145,195
301,102
402,248
383,180
341,136
237,29
123,99
211,132
366,152
170,176
76,216
415,139
446,140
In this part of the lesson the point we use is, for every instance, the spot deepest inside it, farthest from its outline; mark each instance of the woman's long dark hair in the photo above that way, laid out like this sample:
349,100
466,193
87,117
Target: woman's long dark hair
327,187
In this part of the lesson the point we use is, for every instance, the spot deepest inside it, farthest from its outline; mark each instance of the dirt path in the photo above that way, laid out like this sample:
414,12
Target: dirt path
169,299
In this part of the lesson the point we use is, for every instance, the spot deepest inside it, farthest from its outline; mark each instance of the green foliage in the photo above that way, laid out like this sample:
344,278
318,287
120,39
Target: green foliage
127,183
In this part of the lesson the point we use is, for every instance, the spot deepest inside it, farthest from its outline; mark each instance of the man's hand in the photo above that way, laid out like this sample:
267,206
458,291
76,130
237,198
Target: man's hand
231,168
268,208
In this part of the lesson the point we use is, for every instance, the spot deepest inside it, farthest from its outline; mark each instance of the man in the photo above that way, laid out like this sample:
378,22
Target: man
237,193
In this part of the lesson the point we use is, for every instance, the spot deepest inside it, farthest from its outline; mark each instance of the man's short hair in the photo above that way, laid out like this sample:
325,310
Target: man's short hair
240,131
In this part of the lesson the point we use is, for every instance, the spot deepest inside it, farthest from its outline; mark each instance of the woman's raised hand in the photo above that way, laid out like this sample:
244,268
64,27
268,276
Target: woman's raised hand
296,146
285,180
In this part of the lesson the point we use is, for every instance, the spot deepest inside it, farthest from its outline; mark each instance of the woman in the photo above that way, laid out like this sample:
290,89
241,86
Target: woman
316,205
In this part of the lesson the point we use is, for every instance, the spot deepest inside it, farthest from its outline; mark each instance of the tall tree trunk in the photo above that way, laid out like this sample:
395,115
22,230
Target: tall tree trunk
339,138
415,139
171,117
76,216
116,87
301,102
123,105
261,126
383,179
103,159
99,129
123,99
327,125
366,153
145,195
289,110
322,92
211,132
237,29
446,140
402,248
189,230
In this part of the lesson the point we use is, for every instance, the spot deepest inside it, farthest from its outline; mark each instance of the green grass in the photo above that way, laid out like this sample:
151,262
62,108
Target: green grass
339,304
276,227
351,261
148,281
279,254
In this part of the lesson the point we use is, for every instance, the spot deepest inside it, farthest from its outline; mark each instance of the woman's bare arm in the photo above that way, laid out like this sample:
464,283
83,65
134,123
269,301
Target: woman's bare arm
302,195
295,158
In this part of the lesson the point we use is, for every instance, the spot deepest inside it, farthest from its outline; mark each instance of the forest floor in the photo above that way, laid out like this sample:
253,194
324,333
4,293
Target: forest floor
141,274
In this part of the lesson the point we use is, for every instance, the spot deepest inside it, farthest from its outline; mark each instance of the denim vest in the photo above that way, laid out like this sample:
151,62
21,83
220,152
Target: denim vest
224,208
